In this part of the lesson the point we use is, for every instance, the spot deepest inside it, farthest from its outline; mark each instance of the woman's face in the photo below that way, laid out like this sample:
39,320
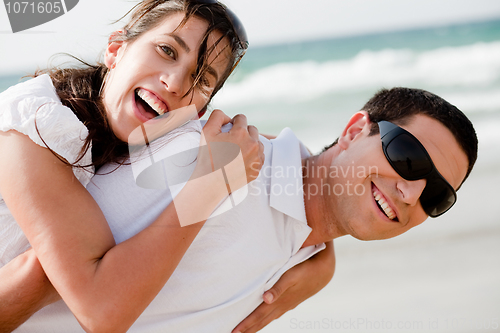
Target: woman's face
151,75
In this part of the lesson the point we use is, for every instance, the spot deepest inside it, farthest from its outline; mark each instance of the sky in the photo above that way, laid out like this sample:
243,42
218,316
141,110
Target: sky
83,31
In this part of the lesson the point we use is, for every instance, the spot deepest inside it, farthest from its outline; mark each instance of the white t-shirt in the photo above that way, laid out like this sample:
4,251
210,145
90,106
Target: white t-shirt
235,258
27,107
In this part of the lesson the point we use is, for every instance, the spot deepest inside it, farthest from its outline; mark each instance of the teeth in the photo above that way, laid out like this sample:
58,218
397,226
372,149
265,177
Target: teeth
385,206
153,103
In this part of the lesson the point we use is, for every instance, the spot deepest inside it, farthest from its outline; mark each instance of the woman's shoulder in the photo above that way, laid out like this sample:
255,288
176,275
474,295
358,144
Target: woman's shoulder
40,86
33,108
23,100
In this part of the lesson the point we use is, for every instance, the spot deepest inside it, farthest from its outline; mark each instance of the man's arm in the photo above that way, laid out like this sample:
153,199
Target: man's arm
24,290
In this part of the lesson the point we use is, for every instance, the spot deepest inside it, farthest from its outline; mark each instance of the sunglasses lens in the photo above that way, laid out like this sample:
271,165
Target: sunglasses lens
238,28
437,197
408,158
411,161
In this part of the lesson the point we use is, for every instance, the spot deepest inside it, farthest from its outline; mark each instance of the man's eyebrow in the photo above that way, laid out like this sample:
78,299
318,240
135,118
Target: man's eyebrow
179,41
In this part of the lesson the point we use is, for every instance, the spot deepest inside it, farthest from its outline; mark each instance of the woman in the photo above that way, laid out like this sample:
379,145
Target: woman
175,53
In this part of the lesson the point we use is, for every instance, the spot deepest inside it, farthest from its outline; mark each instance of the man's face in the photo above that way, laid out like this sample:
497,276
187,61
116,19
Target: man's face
376,202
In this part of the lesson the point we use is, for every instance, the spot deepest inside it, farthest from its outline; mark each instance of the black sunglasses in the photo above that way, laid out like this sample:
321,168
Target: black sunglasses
411,161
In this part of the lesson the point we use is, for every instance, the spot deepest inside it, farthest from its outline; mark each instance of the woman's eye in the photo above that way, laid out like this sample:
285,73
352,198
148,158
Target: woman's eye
167,50
202,81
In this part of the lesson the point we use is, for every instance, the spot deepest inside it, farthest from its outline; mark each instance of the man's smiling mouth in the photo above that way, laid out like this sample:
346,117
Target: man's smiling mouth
383,205
150,102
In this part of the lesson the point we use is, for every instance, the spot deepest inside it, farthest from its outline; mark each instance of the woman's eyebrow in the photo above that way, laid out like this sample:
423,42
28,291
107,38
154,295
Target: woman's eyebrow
179,41
213,72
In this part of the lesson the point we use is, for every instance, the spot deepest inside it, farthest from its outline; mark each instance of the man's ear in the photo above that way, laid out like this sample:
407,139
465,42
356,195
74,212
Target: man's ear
114,49
359,124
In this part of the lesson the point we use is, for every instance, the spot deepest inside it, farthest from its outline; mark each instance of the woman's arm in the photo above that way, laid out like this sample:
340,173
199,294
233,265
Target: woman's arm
74,244
295,286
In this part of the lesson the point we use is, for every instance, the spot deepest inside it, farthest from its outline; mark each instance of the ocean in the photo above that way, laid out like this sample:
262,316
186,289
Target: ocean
441,276
313,87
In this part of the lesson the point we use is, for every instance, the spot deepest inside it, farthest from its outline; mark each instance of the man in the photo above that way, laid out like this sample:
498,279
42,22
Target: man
368,185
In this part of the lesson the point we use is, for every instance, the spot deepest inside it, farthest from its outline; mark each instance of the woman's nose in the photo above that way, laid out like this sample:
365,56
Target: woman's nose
175,82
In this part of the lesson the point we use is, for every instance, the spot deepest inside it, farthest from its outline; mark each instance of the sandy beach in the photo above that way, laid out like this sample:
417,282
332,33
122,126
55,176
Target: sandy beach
442,276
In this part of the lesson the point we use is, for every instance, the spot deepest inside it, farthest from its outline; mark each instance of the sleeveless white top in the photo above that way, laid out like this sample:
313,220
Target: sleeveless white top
27,107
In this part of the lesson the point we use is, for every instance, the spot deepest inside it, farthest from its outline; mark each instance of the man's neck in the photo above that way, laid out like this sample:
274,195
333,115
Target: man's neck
318,203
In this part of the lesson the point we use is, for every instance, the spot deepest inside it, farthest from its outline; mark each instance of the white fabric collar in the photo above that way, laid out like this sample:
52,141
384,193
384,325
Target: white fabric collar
287,193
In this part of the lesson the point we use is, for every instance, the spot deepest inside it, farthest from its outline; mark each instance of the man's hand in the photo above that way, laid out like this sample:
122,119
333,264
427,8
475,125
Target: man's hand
294,287
24,290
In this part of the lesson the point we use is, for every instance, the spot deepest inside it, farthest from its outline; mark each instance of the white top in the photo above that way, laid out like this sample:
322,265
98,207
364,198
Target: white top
235,258
20,107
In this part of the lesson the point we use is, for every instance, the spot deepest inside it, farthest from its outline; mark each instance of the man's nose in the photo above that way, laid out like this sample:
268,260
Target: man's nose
410,190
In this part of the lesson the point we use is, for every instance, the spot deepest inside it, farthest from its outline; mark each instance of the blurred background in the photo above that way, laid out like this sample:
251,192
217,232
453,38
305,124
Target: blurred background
310,66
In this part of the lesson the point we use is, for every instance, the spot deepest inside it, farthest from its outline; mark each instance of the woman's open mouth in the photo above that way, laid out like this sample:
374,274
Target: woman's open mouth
150,104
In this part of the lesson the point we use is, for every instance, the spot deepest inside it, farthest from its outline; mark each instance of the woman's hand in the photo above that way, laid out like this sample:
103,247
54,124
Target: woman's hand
295,286
226,162
238,152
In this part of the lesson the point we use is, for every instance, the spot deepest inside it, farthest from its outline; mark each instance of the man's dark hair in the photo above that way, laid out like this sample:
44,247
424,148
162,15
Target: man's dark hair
398,105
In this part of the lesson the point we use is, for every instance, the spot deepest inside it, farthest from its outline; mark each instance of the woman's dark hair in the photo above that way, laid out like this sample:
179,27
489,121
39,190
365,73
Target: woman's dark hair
79,88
